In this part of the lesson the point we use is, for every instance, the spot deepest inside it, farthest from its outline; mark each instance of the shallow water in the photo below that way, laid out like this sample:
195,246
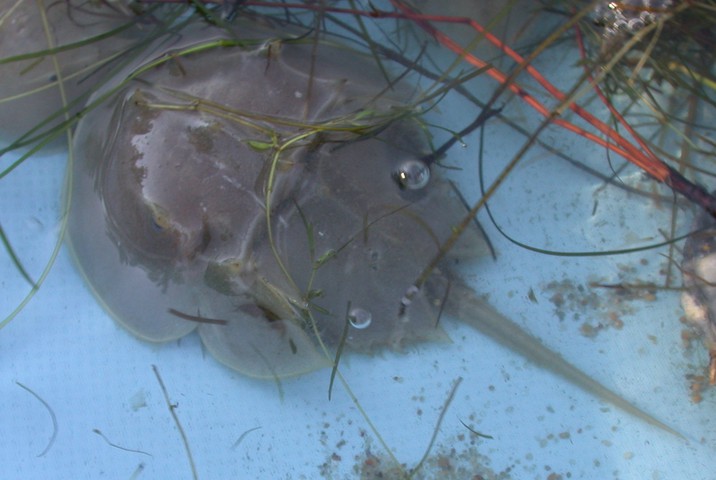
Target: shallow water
96,376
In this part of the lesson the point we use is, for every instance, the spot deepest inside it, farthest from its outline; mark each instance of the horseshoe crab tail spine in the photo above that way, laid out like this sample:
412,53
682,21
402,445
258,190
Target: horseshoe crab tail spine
469,308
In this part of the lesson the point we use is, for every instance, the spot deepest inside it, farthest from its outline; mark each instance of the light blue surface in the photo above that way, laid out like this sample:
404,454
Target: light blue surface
96,376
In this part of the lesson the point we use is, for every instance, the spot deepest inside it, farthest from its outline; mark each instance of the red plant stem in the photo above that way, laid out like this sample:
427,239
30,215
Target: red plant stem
625,148
648,161
605,101
674,179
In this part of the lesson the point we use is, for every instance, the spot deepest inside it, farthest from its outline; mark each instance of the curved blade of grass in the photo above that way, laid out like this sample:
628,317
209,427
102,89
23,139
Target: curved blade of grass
15,260
53,417
339,350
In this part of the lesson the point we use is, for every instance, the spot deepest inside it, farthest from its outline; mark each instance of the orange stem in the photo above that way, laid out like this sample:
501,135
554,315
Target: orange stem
621,146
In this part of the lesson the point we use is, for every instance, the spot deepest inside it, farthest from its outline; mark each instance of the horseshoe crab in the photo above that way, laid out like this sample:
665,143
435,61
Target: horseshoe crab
276,198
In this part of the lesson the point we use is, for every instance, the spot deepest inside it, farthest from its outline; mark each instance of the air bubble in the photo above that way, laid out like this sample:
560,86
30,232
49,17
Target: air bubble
412,174
359,318
635,24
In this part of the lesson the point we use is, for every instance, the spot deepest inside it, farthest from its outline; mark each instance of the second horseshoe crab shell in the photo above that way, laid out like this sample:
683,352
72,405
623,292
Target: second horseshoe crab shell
79,45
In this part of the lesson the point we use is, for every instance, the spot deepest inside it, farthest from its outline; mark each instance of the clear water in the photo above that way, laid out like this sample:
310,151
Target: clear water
96,377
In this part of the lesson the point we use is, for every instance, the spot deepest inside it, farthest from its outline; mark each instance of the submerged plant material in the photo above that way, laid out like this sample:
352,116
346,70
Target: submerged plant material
53,417
660,56
172,410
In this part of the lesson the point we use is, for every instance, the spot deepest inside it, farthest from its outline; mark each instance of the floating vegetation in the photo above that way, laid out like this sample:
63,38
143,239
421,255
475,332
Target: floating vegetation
172,409
114,445
53,417
300,184
242,436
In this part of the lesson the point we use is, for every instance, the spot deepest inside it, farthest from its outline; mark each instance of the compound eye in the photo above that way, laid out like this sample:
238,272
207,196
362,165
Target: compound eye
412,174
